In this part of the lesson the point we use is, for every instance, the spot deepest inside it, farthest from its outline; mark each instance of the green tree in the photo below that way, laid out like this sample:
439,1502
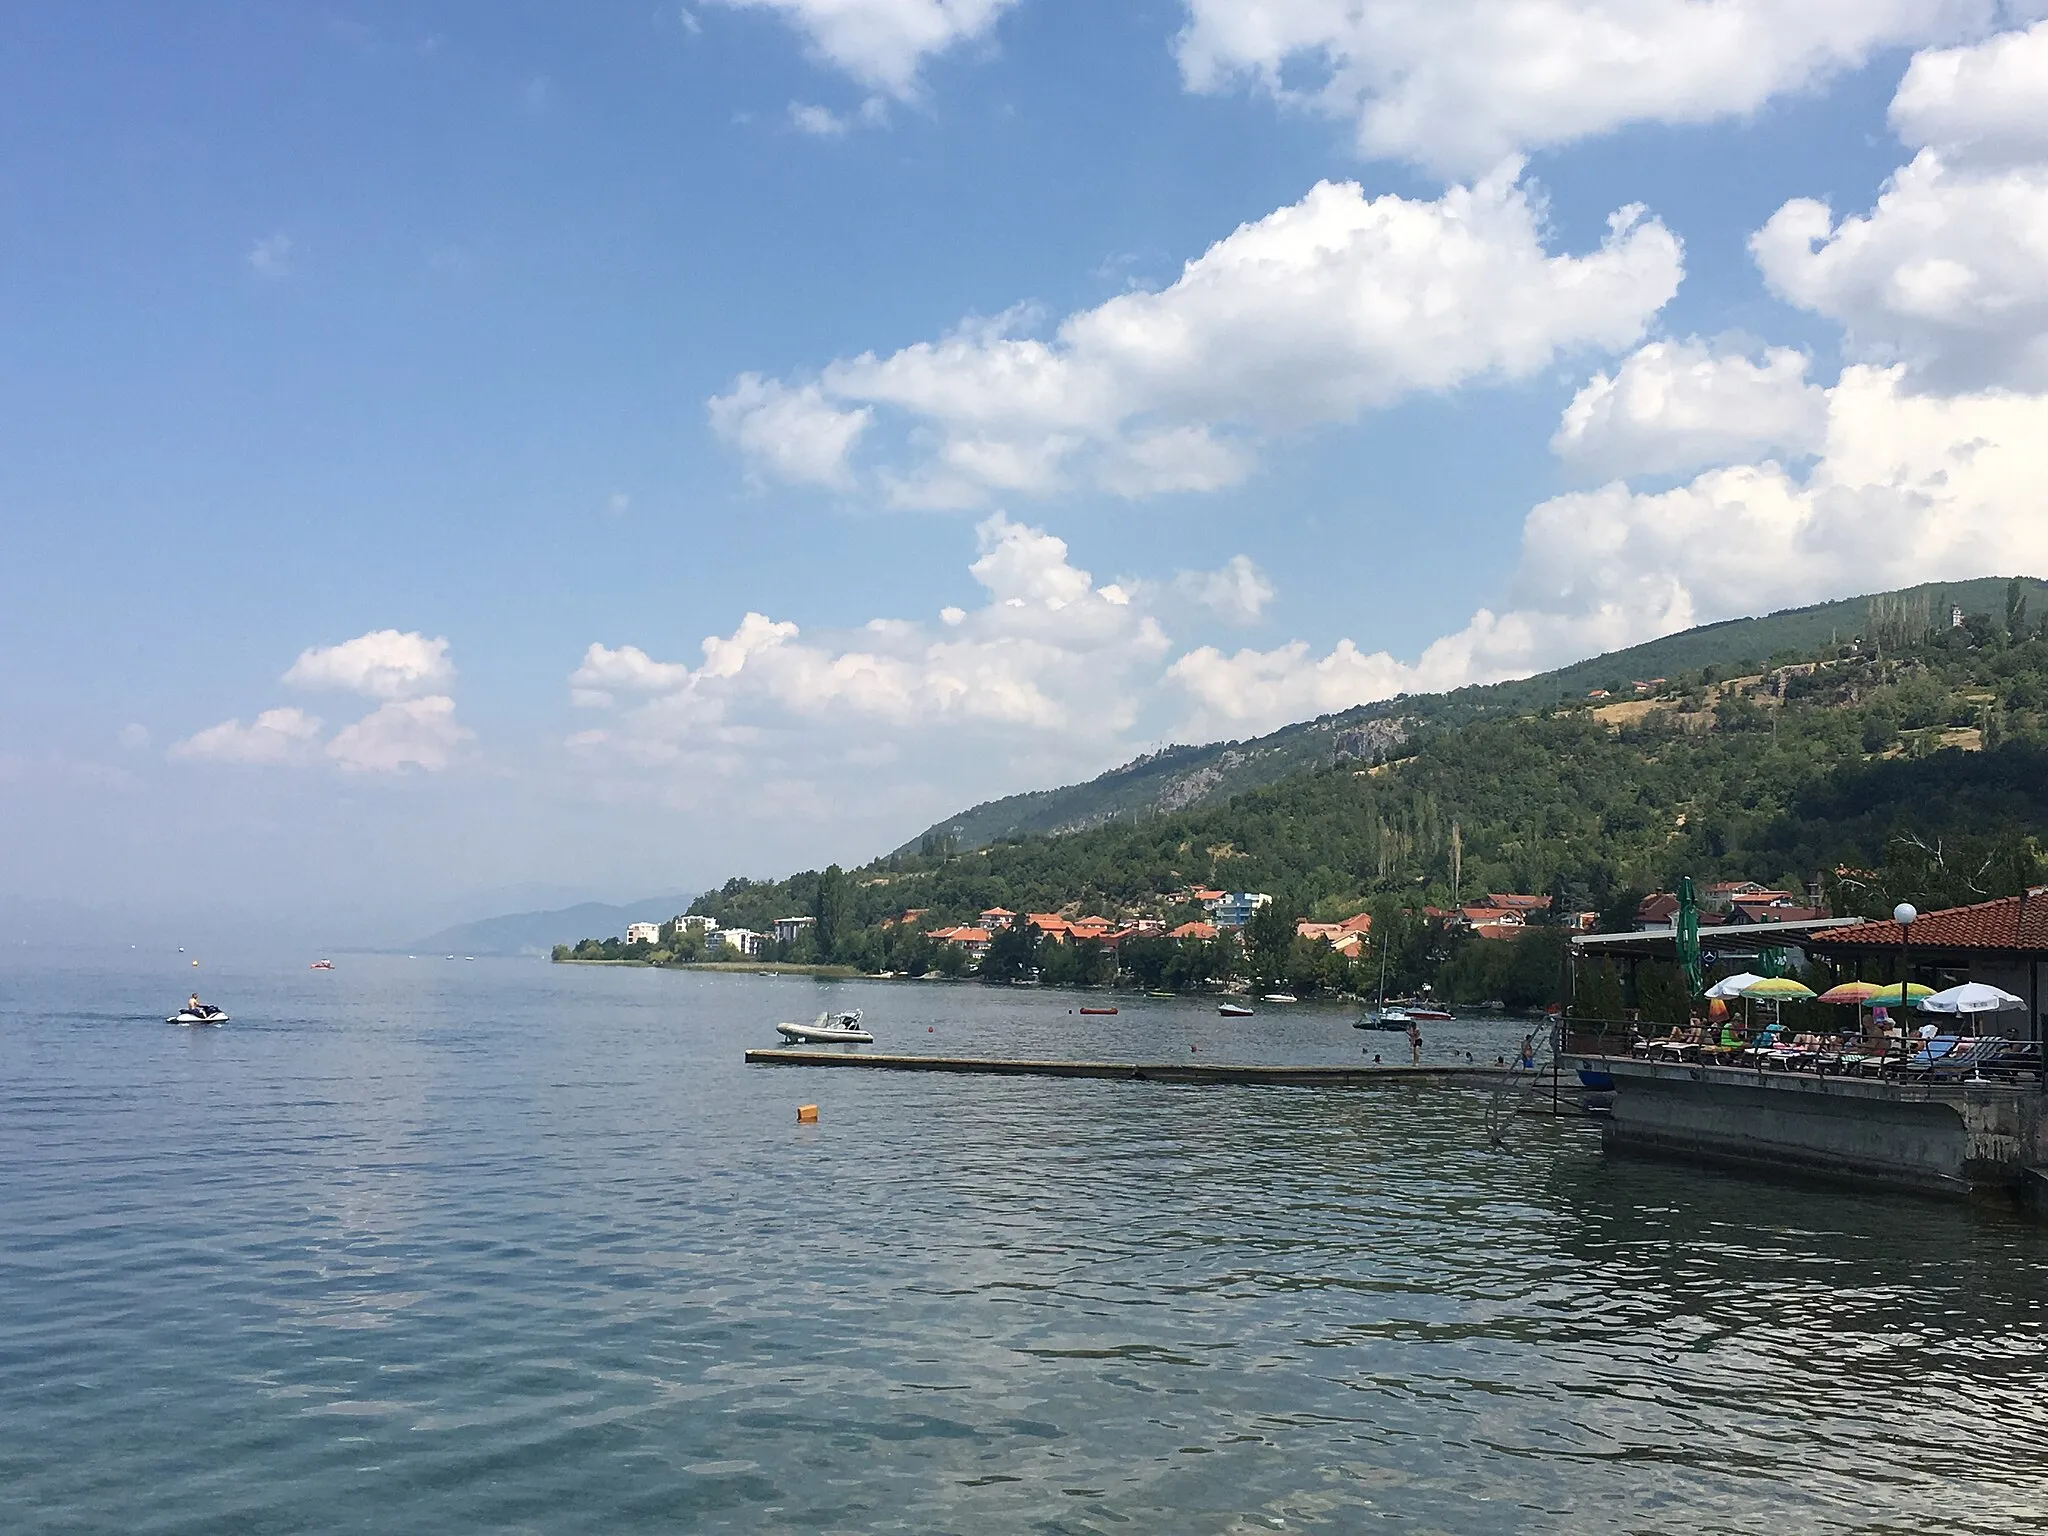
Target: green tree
830,905
1012,955
1268,941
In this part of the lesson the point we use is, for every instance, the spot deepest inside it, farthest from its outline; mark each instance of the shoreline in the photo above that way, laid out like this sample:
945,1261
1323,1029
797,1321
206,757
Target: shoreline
754,967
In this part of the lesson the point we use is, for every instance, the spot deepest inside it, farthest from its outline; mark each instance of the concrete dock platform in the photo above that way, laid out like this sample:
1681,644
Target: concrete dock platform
1135,1071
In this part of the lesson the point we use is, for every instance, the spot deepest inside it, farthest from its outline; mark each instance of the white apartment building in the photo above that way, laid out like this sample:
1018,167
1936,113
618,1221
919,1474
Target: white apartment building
643,933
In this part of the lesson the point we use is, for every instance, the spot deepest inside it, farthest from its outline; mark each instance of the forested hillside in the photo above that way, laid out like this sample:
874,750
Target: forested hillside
1844,758
1190,777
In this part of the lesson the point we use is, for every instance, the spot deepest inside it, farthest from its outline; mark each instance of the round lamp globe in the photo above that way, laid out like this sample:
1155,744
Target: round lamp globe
1904,913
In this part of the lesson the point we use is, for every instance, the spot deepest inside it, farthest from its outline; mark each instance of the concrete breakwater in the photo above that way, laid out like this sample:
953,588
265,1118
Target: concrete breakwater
1136,1071
1958,1139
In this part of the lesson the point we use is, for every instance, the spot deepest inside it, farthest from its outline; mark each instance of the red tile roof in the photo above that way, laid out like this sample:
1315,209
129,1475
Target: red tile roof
1194,931
1509,902
2013,922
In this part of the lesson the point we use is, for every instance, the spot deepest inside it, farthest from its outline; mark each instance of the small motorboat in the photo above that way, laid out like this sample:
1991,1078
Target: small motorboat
1395,1017
1423,1012
1281,997
321,965
204,1013
830,1028
1234,1011
1098,1010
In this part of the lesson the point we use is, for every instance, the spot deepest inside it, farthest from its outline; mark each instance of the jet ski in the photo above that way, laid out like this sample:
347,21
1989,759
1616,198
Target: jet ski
829,1028
205,1013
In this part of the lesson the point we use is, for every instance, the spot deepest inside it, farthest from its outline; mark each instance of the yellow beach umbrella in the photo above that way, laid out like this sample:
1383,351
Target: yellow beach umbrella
1887,996
1857,992
1778,989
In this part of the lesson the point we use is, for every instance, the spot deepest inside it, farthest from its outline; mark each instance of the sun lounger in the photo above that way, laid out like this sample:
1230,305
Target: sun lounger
1962,1058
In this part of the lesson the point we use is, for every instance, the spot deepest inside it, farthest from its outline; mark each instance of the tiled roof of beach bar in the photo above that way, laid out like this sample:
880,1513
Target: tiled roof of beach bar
2011,922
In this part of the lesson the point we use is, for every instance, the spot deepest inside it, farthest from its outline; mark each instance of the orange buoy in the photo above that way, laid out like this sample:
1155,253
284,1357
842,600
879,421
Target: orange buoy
807,1114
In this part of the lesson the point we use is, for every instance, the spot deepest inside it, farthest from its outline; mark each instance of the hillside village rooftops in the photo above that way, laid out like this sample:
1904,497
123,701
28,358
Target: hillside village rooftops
1194,931
1509,901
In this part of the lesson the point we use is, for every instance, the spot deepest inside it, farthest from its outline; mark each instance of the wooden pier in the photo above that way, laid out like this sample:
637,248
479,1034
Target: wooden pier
1345,1076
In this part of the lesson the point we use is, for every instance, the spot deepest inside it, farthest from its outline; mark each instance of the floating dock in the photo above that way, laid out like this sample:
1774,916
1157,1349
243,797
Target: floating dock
1345,1076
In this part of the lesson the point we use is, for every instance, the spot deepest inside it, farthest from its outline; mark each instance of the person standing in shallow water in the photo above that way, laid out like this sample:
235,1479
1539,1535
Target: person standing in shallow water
1414,1043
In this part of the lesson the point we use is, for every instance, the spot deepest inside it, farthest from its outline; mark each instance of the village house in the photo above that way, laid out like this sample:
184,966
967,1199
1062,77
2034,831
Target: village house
997,917
974,940
1233,909
789,929
1050,924
1194,931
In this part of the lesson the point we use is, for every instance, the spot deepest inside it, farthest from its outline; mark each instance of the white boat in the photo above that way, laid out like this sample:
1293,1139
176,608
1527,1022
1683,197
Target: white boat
1395,1017
829,1028
1234,1011
205,1013
1281,997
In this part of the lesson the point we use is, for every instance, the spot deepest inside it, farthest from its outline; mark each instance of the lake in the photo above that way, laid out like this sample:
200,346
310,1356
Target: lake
503,1246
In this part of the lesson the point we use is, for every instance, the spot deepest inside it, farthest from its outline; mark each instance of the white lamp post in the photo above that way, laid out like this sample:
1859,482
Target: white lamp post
1904,915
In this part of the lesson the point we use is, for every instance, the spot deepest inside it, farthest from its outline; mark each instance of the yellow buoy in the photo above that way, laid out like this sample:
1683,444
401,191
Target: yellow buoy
807,1114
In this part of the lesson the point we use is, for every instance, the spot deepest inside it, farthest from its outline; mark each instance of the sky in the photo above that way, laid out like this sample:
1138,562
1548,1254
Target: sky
463,456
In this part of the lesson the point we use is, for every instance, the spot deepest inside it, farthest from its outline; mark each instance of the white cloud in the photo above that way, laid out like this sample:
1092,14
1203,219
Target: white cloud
1949,272
406,733
1982,104
271,256
1457,84
135,736
383,664
792,434
606,673
1674,406
1908,488
884,43
1050,667
819,122
1237,593
1332,306
824,123
277,736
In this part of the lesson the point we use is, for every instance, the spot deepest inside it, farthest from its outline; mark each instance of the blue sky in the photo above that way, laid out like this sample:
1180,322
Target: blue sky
398,399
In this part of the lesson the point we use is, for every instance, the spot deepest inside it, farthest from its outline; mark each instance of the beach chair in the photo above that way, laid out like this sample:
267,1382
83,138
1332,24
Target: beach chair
1963,1058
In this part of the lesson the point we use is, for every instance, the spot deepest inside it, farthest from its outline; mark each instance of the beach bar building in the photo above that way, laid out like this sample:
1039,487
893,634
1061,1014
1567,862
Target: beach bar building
1903,1120
2002,943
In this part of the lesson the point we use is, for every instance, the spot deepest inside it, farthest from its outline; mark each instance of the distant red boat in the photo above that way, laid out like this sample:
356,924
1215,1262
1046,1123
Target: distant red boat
321,965
1098,1010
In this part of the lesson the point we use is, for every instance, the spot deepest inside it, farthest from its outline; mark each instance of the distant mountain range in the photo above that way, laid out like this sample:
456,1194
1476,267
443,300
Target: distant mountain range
1188,778
536,933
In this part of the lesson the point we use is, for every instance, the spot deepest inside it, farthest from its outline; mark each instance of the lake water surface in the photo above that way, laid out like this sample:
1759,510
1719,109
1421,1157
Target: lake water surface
504,1246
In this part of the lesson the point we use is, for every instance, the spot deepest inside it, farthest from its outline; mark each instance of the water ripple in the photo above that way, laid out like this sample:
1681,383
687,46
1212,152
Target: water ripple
515,1247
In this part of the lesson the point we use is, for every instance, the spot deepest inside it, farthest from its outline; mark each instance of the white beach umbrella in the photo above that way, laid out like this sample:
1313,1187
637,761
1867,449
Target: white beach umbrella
1733,986
1971,997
